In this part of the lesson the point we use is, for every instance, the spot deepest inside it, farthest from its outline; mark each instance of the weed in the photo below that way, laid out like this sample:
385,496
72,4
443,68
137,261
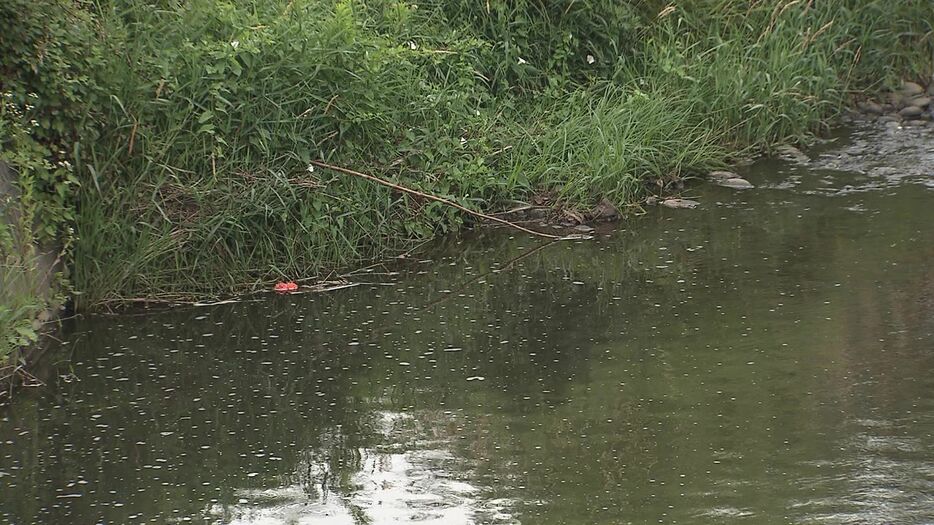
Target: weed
193,124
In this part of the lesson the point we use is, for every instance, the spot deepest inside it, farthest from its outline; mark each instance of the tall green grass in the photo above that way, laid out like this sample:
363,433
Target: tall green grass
209,113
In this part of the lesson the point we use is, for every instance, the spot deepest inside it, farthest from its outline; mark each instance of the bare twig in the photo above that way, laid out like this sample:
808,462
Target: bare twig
435,198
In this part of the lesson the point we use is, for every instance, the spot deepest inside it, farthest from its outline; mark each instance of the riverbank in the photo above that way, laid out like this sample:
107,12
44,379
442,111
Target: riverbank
170,151
765,356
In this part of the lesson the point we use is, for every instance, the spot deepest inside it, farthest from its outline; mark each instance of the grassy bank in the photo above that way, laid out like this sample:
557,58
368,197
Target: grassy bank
191,124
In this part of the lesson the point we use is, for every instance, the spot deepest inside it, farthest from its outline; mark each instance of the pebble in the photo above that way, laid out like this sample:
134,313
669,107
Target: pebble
605,211
792,153
721,175
680,203
911,112
921,102
871,107
896,100
910,89
736,183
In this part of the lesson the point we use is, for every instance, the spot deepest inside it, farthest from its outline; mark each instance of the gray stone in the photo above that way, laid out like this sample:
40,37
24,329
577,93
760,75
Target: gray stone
916,123
793,154
921,102
680,203
911,112
893,124
910,89
897,100
871,107
736,183
889,118
605,211
583,228
716,176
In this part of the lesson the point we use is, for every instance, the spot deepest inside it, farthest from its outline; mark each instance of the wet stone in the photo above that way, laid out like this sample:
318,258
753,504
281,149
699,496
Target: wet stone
921,102
910,89
605,211
911,112
793,154
871,107
716,176
680,203
736,183
896,100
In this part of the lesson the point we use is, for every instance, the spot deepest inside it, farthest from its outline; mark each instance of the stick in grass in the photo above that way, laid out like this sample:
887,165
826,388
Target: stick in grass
377,180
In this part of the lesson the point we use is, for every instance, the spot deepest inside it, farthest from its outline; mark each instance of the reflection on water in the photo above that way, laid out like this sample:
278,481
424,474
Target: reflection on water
388,484
765,358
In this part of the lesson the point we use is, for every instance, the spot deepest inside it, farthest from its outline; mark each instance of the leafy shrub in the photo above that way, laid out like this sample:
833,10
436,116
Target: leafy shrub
192,123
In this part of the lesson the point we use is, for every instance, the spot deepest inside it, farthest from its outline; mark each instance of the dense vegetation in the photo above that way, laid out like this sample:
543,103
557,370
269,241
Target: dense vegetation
165,145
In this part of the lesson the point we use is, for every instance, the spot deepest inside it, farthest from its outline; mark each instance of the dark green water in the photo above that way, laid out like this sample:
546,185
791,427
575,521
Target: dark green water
766,358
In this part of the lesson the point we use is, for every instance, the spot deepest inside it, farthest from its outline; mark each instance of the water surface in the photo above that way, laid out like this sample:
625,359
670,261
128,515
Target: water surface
765,358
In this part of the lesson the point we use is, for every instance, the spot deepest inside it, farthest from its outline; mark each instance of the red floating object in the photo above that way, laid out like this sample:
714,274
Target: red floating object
286,286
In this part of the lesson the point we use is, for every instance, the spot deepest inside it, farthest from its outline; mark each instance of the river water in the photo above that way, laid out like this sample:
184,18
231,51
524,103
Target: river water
765,358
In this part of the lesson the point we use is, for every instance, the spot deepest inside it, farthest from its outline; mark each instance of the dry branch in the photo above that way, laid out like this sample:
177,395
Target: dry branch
447,202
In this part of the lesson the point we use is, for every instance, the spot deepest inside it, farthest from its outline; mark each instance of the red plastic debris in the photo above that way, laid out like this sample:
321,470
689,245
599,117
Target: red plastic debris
286,286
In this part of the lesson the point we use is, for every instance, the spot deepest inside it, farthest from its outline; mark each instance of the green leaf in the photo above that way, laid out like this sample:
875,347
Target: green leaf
27,332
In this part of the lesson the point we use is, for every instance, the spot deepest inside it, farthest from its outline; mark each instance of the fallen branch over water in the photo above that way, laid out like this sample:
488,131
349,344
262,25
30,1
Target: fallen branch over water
435,198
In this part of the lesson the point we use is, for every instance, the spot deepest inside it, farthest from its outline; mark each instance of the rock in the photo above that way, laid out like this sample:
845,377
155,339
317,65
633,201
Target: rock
526,213
921,102
736,183
889,118
717,176
651,201
911,112
604,211
870,107
572,217
893,124
916,123
792,153
583,228
910,89
680,203
896,100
